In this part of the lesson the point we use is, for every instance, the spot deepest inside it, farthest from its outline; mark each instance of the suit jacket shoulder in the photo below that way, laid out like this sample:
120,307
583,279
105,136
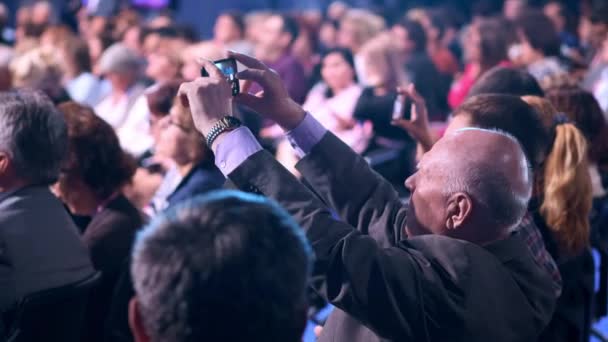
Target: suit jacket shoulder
40,247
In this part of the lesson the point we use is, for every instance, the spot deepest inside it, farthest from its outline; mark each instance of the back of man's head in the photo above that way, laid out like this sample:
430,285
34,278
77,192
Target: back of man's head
491,168
224,267
33,138
506,80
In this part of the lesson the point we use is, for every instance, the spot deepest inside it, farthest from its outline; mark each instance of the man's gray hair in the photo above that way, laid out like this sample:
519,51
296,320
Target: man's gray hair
492,188
34,135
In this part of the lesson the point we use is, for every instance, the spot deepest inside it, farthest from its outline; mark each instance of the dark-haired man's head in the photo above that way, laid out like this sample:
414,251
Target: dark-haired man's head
505,80
224,267
279,33
509,114
411,36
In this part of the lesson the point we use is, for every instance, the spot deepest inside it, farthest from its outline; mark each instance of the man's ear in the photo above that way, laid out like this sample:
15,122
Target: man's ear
136,322
458,210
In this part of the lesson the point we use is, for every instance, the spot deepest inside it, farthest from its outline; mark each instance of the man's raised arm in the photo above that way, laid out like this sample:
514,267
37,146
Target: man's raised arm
338,175
354,268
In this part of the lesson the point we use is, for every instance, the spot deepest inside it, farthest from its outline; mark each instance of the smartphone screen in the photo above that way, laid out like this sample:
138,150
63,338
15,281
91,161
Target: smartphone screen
402,108
228,67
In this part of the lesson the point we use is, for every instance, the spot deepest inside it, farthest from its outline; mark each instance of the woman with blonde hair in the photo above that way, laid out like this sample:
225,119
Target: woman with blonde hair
384,73
561,211
356,28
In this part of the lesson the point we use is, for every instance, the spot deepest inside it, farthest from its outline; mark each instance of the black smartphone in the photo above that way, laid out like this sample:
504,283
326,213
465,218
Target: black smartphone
402,109
228,68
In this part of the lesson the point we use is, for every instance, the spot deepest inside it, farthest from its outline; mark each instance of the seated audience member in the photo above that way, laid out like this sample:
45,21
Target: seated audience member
306,47
229,33
80,83
457,252
333,100
227,266
384,74
357,27
539,45
273,47
564,21
40,69
582,109
95,170
333,103
434,25
561,209
152,168
420,70
125,109
328,34
194,172
41,246
6,55
485,47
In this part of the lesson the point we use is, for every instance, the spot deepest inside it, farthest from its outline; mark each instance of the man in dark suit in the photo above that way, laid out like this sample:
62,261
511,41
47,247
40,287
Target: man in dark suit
40,247
457,273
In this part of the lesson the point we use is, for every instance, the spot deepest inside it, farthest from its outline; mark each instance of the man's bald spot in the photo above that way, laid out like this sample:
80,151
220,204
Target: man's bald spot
489,165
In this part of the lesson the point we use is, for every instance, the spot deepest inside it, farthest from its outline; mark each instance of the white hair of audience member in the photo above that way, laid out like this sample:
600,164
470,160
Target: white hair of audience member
491,186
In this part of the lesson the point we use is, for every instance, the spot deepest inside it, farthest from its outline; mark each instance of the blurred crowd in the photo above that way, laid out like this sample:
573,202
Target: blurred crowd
134,150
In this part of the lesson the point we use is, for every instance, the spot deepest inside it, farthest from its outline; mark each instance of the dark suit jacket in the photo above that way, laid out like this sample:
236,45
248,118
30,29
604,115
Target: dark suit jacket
109,238
40,247
427,288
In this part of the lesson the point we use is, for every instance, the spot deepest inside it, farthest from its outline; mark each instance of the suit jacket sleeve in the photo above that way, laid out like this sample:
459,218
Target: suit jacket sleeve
347,184
379,287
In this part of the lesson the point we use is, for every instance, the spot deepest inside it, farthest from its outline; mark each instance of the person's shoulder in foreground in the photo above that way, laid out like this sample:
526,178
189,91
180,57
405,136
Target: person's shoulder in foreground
226,266
42,248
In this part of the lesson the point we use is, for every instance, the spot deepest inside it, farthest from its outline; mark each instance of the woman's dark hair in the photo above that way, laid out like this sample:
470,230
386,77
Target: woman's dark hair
94,152
505,80
494,41
581,107
347,56
415,33
539,31
160,97
512,115
237,19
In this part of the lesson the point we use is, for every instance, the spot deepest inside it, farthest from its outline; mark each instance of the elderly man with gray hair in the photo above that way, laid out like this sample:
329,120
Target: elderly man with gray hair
447,268
40,247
